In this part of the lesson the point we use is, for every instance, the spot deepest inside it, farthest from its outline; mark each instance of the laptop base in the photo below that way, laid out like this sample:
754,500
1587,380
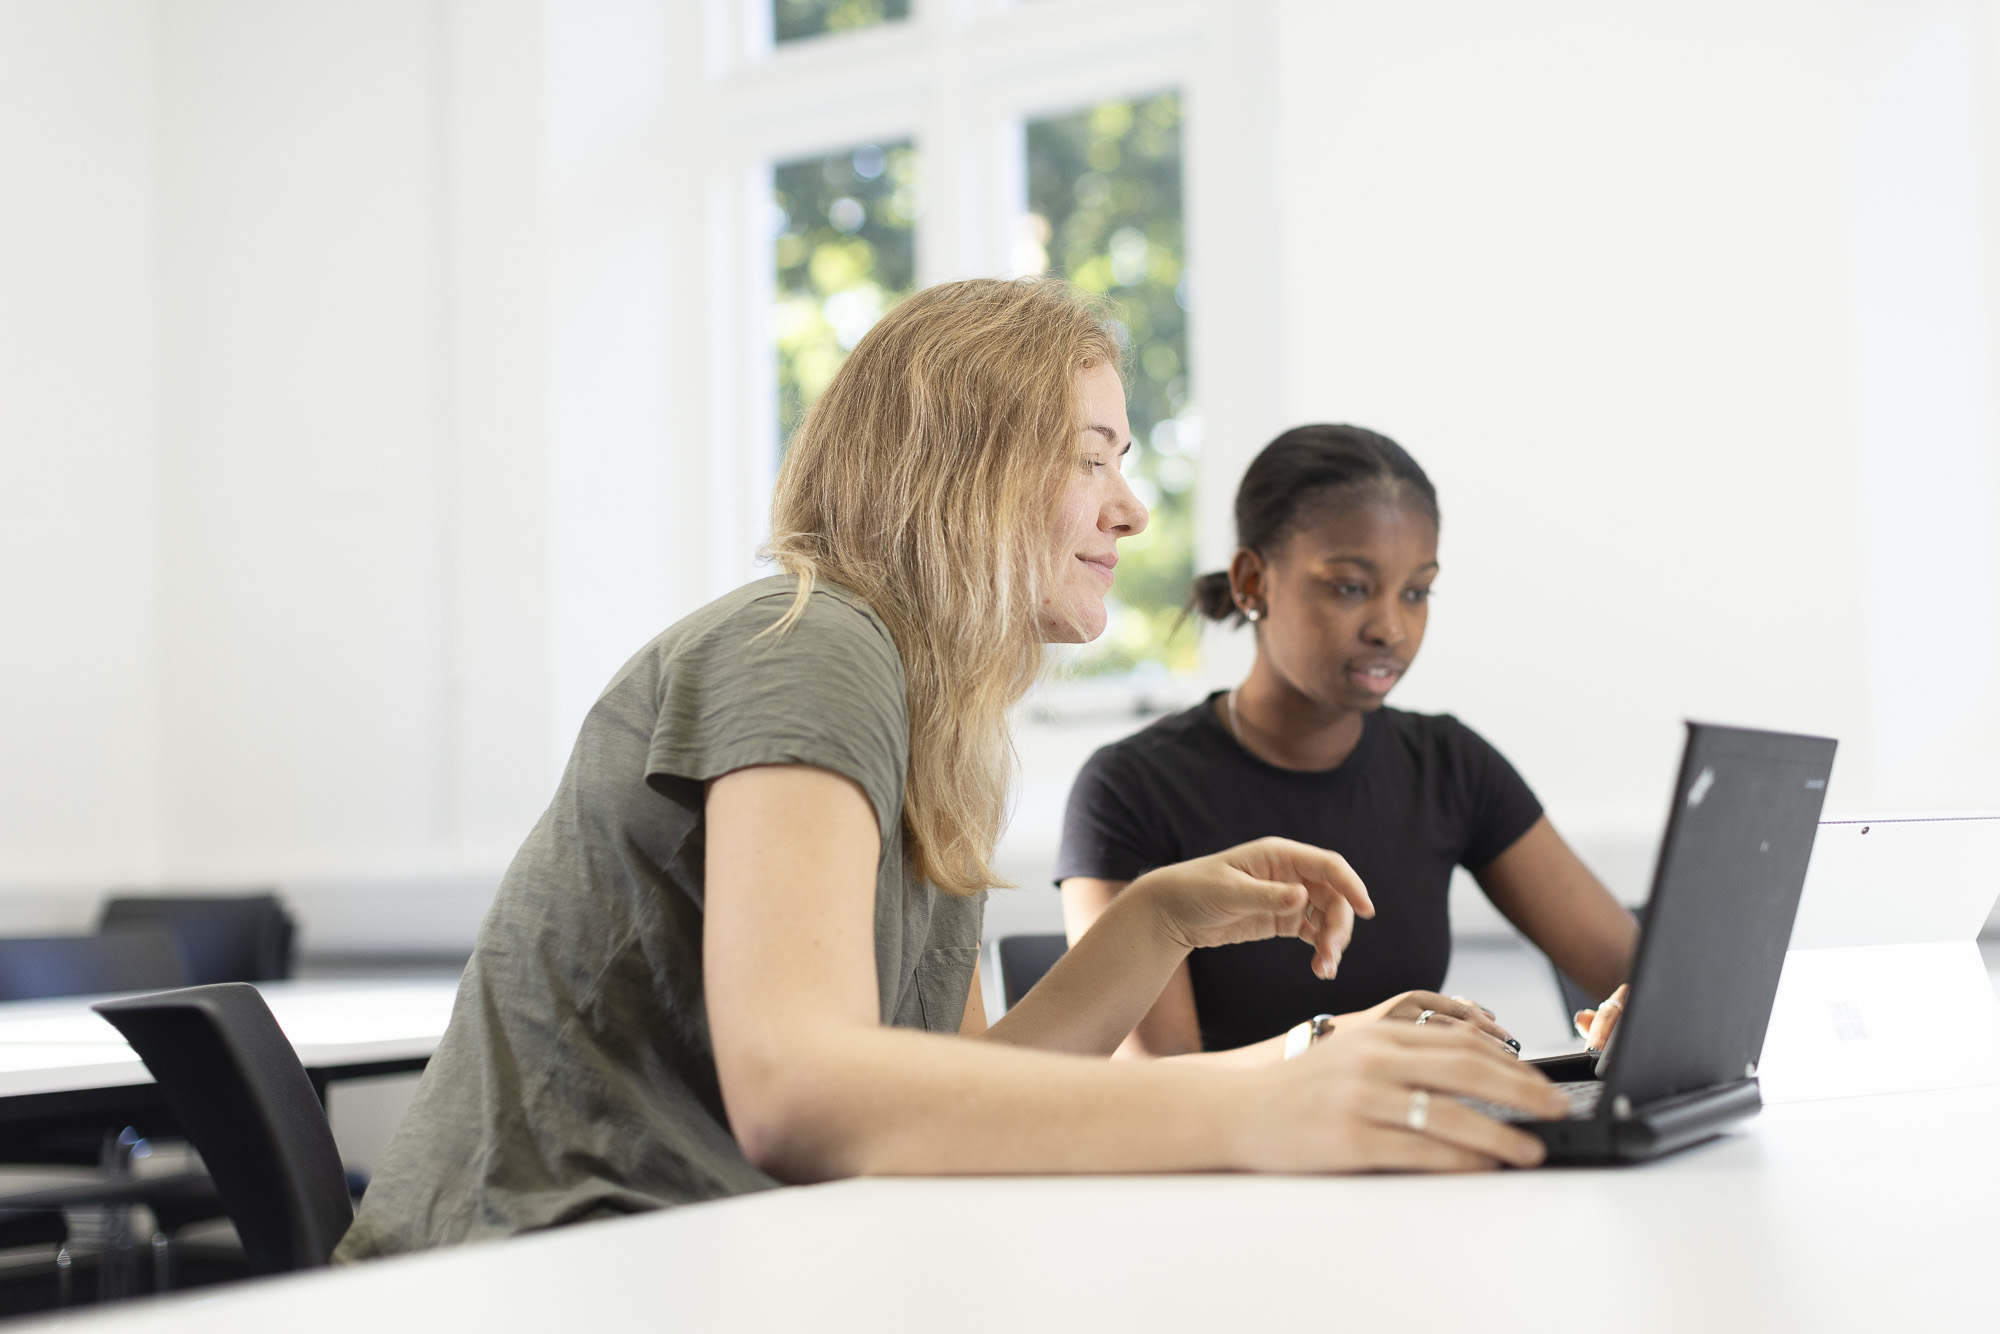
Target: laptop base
1651,1130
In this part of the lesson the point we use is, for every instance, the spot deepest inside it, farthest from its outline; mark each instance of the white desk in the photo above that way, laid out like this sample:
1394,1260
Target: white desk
1864,1214
56,1056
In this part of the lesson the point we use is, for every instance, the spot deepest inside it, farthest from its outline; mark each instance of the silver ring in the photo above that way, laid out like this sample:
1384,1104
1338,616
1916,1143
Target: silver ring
1419,1114
1425,1017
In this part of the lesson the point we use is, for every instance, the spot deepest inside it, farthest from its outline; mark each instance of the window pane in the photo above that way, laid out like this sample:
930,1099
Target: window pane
1104,199
793,19
846,252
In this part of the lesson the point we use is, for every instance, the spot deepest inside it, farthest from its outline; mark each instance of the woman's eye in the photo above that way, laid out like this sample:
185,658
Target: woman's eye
1091,465
1417,595
1350,590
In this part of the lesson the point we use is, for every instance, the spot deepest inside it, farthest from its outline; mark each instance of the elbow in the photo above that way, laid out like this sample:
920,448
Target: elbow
788,1128
775,1144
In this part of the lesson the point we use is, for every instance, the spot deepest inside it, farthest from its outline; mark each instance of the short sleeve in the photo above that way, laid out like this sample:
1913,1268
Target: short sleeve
828,691
1499,804
1103,836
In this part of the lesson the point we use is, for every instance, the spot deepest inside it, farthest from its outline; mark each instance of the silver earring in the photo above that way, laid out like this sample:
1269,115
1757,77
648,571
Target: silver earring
1252,615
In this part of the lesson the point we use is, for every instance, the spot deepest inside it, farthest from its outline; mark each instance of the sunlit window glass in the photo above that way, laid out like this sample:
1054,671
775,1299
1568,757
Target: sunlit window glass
846,252
794,19
1104,199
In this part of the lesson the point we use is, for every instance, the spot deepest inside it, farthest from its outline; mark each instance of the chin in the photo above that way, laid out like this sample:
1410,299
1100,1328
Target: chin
1079,626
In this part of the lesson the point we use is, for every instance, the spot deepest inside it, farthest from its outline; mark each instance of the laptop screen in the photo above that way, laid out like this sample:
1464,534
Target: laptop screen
1739,838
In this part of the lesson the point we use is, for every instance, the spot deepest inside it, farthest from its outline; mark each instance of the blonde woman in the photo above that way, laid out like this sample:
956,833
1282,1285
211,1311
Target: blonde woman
740,949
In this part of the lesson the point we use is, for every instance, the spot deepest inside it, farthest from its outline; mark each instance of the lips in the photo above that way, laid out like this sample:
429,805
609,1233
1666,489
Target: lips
1104,565
1377,676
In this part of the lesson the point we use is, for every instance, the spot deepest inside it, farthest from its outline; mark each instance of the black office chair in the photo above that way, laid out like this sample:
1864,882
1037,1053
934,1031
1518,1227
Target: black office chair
50,1216
221,937
1023,960
38,967
234,1082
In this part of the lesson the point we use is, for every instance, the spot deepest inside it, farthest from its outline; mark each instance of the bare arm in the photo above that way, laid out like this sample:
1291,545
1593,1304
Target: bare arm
1545,889
1171,1027
815,1087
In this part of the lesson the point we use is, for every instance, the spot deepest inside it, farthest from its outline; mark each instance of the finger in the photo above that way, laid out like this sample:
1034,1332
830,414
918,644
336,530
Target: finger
1400,1149
1583,1020
1482,1009
1455,1124
1282,903
1454,1061
1505,1046
1600,1028
1605,1018
1466,1011
1325,873
1329,941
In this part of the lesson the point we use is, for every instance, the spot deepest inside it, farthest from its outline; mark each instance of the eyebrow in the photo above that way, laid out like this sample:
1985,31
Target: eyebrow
1111,436
1370,565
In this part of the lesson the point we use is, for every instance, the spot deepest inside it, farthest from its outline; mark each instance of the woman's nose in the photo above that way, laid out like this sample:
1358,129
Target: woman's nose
1385,627
1124,513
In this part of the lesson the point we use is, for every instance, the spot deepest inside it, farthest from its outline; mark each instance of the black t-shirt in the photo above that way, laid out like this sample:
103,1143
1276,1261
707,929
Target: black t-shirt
1419,795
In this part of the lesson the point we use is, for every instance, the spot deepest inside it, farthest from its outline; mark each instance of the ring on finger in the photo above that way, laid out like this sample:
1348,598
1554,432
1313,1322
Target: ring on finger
1426,1017
1418,1116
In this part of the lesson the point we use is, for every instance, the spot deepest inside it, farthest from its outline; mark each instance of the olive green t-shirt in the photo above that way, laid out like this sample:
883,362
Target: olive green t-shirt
576,1079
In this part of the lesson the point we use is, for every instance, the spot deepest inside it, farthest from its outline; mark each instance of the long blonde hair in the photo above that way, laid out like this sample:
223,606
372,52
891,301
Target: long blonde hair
925,480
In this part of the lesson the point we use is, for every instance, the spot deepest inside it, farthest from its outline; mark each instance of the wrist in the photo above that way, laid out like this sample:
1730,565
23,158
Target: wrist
1153,915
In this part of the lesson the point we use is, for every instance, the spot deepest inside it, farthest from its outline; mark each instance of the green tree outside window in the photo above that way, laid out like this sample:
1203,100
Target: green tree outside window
1104,198
795,19
846,252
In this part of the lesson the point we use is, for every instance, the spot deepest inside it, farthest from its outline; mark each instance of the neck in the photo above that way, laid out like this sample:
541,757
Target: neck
1281,726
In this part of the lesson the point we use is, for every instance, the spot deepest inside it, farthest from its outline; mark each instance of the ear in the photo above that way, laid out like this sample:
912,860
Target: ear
1247,580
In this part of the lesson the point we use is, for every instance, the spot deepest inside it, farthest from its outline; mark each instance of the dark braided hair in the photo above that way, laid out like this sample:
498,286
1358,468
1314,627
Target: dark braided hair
1307,473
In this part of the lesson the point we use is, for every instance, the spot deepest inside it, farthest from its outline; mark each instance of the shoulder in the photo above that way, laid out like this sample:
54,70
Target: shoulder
1452,754
751,631
1166,745
1436,733
760,611
1161,741
742,683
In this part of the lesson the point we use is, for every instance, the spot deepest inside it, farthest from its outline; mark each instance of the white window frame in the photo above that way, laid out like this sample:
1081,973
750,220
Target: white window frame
960,78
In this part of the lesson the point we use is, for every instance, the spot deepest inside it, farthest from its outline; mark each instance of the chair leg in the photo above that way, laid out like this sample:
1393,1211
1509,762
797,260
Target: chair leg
163,1262
65,1277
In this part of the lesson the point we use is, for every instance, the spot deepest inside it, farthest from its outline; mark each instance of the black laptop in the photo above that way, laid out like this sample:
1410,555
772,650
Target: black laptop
1682,1065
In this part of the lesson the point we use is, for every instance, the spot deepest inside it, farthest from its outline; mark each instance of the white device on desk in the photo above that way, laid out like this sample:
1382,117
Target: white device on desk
1884,990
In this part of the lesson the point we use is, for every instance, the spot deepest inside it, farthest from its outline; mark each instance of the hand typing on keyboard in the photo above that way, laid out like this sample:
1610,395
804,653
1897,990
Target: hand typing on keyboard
1582,1095
1595,1026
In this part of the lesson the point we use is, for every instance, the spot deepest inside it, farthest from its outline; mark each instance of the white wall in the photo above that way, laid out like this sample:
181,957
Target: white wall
1588,263
1921,174
305,610
403,499
79,801
370,388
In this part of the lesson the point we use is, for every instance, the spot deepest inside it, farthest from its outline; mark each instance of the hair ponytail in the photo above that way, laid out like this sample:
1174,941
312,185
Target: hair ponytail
1213,599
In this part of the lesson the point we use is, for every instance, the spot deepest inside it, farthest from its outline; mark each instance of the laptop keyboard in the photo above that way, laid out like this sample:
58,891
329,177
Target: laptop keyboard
1582,1094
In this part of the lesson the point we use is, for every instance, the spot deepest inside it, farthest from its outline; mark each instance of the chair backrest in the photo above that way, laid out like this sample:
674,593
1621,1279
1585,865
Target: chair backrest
222,937
239,1092
34,967
1023,960
1574,997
